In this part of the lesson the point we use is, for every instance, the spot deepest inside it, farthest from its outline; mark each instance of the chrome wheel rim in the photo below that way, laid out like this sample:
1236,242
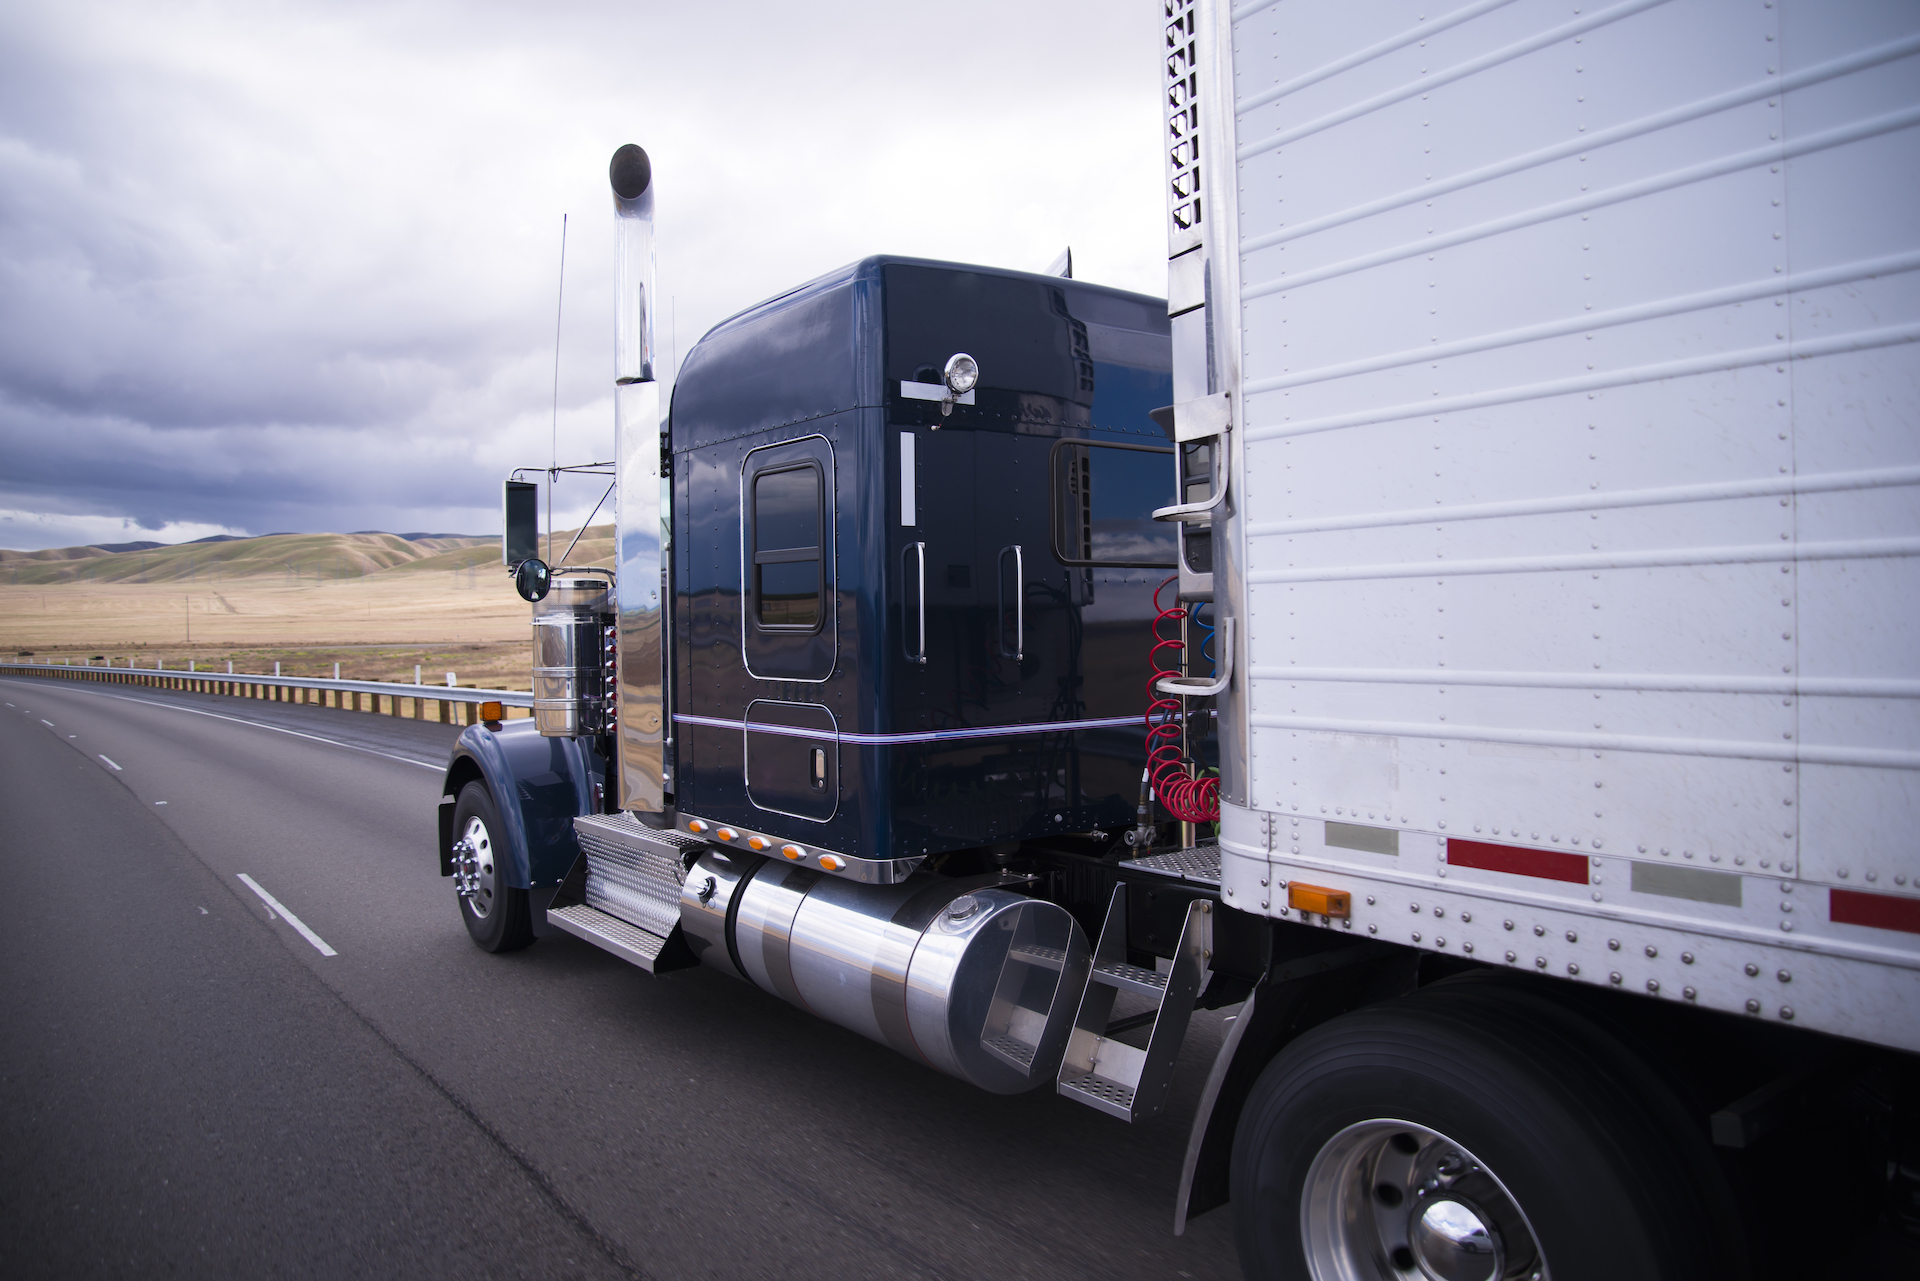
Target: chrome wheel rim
1390,1200
473,868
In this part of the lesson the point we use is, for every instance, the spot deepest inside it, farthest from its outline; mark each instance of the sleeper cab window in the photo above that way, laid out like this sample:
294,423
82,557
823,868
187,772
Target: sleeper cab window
786,507
1104,496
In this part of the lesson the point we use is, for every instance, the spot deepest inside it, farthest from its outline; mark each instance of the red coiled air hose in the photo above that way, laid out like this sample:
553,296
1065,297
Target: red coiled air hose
1189,799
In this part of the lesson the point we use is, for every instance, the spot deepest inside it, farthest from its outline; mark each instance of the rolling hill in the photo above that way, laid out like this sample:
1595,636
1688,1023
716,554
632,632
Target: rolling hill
286,557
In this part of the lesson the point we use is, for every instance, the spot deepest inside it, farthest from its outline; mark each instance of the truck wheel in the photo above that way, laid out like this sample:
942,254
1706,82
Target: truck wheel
495,912
1468,1135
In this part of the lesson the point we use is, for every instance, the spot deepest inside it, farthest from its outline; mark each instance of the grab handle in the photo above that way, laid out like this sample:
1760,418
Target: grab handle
918,654
1018,652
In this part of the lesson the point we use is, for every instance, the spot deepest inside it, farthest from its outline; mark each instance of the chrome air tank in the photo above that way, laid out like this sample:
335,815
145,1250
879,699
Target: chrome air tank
569,663
975,980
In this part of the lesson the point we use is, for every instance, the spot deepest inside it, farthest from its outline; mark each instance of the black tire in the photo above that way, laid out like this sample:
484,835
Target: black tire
496,914
1574,1152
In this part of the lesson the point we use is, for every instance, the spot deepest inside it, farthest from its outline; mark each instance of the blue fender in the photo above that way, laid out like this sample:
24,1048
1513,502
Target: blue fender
539,785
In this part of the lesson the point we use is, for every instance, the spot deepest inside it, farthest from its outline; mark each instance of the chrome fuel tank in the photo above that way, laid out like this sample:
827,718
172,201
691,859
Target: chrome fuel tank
967,977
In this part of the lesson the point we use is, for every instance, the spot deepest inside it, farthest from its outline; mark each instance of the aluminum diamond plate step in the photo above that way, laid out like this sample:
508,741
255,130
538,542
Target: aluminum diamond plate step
625,941
1199,865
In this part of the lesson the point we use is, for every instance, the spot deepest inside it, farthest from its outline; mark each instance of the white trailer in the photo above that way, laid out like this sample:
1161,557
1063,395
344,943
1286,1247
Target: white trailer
1564,355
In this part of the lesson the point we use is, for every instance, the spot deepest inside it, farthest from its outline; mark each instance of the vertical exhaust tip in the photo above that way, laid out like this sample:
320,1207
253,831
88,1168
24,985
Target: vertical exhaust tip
631,172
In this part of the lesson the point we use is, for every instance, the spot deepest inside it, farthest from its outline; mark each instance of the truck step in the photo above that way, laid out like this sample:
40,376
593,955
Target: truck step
1115,1098
1013,1050
1111,1075
1132,978
623,893
634,872
1051,958
1197,865
625,941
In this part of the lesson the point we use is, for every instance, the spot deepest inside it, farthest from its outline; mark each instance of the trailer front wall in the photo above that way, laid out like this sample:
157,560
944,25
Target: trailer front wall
1579,508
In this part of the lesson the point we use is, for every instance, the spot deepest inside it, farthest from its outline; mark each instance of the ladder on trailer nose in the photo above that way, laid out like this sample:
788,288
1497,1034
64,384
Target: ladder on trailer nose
1103,1071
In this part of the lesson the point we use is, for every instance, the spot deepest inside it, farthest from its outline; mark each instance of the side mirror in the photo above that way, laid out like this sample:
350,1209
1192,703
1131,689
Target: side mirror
521,503
532,579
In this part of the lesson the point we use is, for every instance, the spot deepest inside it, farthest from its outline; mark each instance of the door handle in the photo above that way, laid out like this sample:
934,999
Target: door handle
919,552
1018,652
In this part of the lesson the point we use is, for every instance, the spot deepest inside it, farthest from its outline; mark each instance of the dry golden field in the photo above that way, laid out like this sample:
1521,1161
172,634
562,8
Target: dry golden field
450,609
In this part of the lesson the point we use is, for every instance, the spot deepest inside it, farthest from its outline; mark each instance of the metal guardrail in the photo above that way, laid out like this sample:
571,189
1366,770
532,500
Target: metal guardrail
255,685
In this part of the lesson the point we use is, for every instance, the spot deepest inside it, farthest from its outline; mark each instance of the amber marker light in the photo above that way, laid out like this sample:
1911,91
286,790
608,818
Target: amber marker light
793,852
757,842
1315,898
492,711
726,833
829,863
697,826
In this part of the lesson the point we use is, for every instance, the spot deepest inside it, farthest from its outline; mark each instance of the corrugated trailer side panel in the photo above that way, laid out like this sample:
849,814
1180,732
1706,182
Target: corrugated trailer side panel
1579,502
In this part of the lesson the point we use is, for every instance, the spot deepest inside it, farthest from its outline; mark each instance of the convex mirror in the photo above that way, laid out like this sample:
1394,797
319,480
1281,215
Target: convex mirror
532,579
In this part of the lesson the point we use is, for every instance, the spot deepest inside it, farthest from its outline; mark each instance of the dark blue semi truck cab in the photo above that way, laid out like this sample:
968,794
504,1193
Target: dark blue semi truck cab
905,626
860,713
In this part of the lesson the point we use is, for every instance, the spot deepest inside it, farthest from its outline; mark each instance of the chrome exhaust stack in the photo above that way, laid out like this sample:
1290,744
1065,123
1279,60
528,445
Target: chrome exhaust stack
962,975
641,582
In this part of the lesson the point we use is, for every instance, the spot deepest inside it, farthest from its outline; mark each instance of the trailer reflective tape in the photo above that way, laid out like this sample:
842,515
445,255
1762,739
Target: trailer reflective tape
1881,911
1547,865
1693,883
1357,836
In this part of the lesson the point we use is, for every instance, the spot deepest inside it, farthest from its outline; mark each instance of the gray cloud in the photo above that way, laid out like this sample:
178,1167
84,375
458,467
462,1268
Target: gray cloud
293,266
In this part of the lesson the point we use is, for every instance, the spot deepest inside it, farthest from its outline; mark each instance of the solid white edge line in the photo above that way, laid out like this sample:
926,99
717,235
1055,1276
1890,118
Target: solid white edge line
289,917
237,720
109,762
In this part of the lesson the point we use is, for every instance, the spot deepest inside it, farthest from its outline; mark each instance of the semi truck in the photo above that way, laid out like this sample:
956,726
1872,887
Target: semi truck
1466,628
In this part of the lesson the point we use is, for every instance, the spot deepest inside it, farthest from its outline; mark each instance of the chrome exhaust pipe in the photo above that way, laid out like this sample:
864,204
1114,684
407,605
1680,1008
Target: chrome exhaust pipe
639,587
969,978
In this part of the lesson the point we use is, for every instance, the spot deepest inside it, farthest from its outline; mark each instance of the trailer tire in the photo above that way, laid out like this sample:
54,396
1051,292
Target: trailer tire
1540,1130
496,914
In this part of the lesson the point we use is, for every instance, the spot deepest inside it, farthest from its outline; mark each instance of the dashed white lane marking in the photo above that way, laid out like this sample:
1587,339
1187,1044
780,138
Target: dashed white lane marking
110,764
287,916
46,722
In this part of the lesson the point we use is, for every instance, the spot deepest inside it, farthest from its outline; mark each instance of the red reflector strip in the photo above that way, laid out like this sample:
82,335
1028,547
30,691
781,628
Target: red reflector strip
1548,865
1882,911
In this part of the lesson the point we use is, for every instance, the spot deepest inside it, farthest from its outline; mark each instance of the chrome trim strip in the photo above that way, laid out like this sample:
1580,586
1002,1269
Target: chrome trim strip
920,736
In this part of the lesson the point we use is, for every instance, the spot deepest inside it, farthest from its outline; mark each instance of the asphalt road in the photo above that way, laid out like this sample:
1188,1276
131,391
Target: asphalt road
188,1085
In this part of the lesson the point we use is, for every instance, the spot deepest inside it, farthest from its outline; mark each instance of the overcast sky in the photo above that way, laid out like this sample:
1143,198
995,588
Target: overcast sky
292,266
